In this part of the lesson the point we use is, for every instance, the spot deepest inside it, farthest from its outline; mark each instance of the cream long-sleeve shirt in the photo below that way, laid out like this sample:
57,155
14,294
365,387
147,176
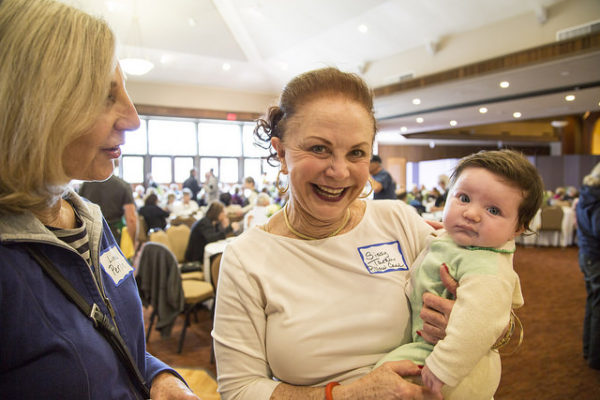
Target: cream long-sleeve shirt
309,312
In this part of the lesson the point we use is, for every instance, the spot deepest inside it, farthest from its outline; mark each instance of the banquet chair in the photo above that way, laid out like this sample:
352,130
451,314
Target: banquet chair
160,236
215,266
160,286
188,271
551,220
178,238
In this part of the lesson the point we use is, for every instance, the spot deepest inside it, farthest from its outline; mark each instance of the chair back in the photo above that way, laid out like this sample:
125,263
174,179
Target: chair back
178,236
551,217
161,237
142,230
215,266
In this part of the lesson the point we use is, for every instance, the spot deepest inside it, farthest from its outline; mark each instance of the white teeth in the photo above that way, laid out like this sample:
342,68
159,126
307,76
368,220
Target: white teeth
331,192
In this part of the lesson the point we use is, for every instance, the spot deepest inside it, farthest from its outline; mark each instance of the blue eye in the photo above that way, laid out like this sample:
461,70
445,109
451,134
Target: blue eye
464,198
494,210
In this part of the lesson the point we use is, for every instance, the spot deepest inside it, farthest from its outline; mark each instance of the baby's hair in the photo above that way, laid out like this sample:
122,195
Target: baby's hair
516,170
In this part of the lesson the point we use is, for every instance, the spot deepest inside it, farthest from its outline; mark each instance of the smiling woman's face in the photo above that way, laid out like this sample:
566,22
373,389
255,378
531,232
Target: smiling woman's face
326,151
90,156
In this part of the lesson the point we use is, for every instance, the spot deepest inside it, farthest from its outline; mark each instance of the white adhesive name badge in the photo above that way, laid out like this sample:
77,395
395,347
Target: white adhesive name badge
383,257
115,265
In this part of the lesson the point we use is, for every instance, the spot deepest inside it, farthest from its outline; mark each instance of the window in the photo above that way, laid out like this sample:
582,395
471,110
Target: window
271,172
161,169
250,147
183,165
135,141
168,148
252,168
229,170
219,139
166,137
133,169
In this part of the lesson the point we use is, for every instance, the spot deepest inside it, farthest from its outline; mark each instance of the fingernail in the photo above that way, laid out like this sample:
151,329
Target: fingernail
419,333
420,366
445,266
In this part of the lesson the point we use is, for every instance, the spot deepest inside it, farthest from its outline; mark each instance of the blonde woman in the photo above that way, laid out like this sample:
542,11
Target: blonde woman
64,114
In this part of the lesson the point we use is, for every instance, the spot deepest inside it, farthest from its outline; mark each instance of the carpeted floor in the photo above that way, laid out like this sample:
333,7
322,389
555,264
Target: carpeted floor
548,366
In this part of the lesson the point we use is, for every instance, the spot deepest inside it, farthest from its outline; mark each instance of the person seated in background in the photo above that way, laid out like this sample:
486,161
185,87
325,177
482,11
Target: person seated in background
236,197
138,196
154,216
258,215
233,211
441,200
170,204
186,206
213,226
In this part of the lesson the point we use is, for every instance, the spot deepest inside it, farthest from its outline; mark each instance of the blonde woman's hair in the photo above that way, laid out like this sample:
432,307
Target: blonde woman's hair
56,65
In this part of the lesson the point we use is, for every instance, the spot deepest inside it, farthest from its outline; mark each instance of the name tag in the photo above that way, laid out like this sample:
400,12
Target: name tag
383,257
115,265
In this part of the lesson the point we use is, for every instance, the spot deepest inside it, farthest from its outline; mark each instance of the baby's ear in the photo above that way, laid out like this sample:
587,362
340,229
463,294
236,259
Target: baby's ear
519,230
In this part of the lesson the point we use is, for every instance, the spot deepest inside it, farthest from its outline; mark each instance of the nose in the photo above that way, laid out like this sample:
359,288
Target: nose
472,214
338,168
128,119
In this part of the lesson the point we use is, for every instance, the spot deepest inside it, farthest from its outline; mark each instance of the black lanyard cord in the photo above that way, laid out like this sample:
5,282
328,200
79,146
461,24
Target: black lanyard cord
100,320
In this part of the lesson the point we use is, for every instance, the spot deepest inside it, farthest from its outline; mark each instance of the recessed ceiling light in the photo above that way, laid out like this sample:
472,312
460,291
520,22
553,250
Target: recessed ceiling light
504,84
403,129
226,66
416,101
453,123
192,22
420,120
483,110
516,114
570,97
362,28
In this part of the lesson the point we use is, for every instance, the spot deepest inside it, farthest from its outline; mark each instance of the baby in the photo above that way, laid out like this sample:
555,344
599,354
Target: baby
493,197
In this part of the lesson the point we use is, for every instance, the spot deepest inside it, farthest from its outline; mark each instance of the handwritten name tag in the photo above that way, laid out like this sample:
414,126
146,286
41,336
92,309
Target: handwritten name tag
115,265
383,257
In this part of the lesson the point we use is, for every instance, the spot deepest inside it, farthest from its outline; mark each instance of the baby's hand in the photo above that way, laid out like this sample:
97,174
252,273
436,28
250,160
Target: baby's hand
431,381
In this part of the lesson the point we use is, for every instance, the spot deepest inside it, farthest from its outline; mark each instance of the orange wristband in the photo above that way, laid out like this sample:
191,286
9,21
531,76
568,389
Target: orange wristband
329,390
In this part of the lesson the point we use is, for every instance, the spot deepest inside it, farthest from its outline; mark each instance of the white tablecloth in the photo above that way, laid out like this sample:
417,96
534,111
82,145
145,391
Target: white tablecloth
548,238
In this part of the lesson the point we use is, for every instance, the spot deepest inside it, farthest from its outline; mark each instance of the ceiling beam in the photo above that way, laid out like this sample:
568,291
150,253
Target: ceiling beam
519,59
234,22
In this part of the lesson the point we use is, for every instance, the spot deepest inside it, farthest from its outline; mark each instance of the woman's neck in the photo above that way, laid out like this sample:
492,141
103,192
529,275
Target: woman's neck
304,225
59,215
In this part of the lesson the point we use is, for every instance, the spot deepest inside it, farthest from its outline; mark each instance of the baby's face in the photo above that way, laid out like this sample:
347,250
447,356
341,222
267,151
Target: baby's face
482,209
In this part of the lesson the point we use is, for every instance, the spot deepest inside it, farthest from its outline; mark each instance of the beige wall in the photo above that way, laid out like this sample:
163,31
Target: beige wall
187,96
504,37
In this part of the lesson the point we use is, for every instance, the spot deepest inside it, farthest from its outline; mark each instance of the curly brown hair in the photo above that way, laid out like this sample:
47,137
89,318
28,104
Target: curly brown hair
303,89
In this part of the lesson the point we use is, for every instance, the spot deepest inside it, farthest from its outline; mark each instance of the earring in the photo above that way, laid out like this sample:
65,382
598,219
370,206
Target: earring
280,189
364,196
